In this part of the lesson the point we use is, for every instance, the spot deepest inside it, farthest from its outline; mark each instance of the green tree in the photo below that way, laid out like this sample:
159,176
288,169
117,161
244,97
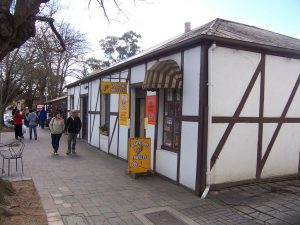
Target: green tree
117,49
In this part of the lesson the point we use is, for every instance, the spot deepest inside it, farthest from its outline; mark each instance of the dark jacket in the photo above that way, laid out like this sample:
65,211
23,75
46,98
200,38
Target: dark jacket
73,125
43,115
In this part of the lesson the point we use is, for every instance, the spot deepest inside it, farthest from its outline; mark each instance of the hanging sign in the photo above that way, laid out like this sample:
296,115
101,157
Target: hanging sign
151,109
123,109
113,87
139,155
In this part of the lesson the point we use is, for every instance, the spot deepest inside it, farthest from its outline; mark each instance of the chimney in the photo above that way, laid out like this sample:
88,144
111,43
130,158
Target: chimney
187,27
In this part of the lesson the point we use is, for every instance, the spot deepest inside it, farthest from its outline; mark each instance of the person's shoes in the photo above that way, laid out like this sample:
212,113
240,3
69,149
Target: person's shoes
35,139
74,153
55,153
68,153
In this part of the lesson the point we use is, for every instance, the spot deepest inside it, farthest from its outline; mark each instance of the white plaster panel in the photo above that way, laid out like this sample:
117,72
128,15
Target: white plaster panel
95,130
77,98
166,163
232,71
237,160
114,143
188,154
104,143
268,131
281,76
176,57
124,74
150,131
95,86
123,141
84,88
217,131
138,74
114,103
251,107
191,82
284,156
151,63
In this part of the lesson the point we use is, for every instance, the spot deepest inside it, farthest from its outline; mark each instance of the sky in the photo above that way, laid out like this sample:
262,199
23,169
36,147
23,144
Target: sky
160,20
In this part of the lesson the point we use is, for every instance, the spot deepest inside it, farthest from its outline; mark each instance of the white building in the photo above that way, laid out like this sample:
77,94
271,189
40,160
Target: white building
228,105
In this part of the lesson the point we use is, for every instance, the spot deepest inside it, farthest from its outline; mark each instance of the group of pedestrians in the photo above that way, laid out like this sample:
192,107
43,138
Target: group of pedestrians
56,125
31,120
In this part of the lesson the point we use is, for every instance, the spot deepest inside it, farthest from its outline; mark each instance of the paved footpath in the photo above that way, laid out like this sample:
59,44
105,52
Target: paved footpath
92,188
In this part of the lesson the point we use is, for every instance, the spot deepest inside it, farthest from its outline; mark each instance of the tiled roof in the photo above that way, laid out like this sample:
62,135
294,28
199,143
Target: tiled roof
216,29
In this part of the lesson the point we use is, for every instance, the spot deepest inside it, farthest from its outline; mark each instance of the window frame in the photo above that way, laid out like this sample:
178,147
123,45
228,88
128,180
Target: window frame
174,118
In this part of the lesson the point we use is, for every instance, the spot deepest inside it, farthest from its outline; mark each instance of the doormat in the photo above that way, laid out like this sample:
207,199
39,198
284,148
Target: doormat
163,216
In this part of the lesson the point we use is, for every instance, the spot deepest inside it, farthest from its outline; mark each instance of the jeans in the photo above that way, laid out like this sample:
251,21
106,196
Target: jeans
42,123
32,127
71,142
55,141
18,131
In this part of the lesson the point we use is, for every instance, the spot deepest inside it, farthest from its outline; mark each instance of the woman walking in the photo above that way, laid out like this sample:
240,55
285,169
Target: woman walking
32,119
18,124
56,126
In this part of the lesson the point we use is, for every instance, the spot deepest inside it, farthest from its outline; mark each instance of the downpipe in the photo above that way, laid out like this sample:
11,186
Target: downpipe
210,91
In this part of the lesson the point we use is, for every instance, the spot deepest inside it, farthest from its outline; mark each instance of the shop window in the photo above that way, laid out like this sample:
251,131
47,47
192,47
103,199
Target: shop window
172,113
105,108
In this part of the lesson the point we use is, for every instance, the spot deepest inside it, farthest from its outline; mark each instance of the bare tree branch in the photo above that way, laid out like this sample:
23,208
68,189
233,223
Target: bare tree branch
50,21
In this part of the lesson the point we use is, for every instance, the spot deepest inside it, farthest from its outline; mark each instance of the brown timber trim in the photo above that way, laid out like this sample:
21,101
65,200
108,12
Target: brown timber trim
225,119
236,115
190,118
136,85
156,131
180,122
94,112
261,115
279,125
202,125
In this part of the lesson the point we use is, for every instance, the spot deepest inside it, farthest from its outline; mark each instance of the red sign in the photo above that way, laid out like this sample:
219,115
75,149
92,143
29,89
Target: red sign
151,109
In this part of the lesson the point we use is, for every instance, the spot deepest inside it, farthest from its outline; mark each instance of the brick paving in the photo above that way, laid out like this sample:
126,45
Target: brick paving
92,188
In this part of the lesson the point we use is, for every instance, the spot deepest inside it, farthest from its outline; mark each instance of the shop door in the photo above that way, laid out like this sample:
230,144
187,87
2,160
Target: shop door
139,112
84,117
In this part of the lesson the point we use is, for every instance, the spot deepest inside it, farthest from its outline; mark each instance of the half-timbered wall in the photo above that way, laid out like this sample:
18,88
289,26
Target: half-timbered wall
255,116
190,108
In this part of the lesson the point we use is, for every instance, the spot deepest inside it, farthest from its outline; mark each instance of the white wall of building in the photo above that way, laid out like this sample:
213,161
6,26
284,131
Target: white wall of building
231,73
188,154
166,163
113,137
138,74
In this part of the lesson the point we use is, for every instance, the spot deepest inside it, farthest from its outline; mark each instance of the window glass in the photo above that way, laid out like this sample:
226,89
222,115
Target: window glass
172,113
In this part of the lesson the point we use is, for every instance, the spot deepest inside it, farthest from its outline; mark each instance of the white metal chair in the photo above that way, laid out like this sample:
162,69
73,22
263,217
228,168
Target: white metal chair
13,150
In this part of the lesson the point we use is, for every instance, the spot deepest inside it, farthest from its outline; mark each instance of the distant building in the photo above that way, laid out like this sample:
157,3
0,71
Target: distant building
227,105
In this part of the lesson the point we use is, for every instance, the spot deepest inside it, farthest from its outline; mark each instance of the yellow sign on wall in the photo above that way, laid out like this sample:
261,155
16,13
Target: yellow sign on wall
113,87
139,155
123,109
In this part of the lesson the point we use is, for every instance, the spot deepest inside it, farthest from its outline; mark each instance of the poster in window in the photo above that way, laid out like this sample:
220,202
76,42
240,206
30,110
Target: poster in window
139,155
151,109
123,109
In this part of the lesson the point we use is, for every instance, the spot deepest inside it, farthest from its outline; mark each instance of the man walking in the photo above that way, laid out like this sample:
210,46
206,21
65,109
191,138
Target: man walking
73,127
43,117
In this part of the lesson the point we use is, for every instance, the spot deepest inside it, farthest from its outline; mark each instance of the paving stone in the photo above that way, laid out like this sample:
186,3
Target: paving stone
94,186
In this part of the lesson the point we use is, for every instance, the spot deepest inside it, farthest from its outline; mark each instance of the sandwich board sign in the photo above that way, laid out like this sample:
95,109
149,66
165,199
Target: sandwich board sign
139,155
